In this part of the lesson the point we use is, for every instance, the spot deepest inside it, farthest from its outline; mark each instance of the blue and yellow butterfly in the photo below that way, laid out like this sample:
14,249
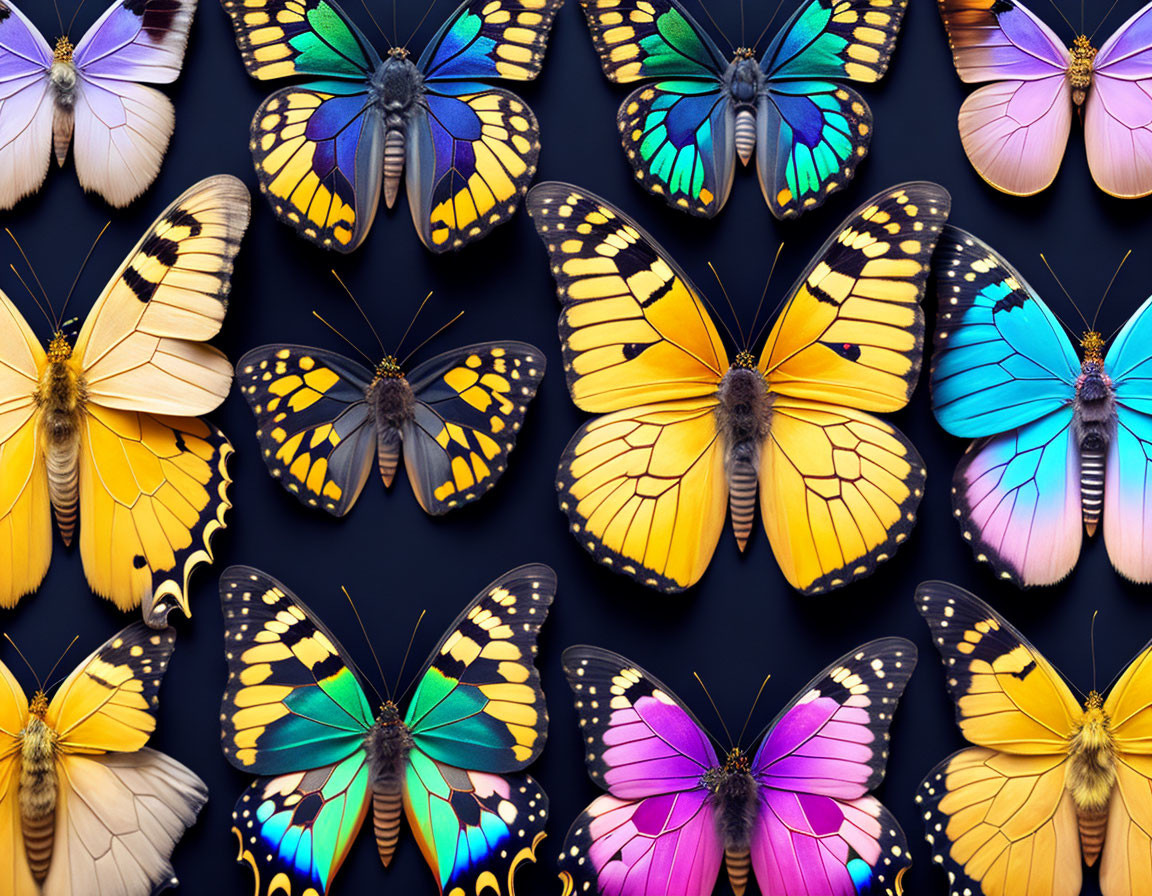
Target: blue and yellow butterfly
295,713
683,133
324,149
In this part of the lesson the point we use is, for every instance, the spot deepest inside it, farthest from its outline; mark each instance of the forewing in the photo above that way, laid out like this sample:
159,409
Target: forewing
292,701
281,38
1002,359
1018,501
1008,698
482,39
836,39
1003,825
478,705
852,331
839,491
141,347
118,818
651,39
313,423
108,704
471,154
470,406
633,328
26,106
1128,495
138,40
994,40
645,490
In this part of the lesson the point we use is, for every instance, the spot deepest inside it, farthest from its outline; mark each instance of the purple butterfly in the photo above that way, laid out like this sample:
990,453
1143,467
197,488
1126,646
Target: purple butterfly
798,811
90,92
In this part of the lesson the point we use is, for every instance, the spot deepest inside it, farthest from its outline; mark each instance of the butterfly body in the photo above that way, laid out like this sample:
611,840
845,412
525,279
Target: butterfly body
396,88
1080,58
736,799
743,413
64,79
38,787
1095,427
60,396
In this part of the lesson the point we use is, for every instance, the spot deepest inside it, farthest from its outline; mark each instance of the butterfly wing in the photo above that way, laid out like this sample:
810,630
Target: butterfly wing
26,106
817,828
470,405
633,328
654,832
486,40
314,426
851,40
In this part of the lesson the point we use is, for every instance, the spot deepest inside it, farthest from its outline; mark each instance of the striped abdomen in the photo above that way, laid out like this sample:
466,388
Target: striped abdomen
63,463
737,862
742,475
387,805
1092,461
1093,826
387,452
394,146
745,134
38,795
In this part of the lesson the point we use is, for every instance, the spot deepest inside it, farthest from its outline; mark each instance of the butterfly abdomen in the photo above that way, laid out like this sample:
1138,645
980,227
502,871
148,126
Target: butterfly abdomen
744,79
1095,425
393,406
742,418
38,793
387,745
396,88
61,396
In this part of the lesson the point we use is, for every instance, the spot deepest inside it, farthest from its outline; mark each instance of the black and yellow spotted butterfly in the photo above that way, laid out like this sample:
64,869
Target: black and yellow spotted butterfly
686,434
295,713
322,417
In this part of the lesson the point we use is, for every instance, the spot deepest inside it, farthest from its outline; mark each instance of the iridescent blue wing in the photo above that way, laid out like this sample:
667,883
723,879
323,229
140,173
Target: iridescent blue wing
638,39
471,155
850,39
1002,359
491,39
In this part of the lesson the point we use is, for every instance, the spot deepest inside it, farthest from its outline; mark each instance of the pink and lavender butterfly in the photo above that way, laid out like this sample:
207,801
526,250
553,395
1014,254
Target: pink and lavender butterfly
798,813
1062,441
91,95
1015,129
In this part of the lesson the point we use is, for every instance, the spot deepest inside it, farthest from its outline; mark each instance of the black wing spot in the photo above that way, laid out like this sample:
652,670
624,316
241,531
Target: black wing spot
166,251
1002,6
143,287
1026,671
307,809
631,349
847,350
139,562
182,218
181,446
1013,300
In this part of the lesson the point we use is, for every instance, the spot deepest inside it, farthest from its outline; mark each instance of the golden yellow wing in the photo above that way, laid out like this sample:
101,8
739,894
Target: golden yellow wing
852,332
108,704
25,513
153,493
15,876
633,329
645,491
141,348
839,491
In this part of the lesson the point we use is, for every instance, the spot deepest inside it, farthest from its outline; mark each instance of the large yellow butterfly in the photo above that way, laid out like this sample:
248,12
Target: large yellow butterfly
1049,783
82,800
106,429
686,434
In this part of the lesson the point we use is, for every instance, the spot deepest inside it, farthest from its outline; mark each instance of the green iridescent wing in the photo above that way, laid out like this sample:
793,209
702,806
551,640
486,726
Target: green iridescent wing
639,39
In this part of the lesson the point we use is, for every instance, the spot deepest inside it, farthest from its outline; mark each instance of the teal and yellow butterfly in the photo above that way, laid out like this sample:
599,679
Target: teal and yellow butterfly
699,112
296,714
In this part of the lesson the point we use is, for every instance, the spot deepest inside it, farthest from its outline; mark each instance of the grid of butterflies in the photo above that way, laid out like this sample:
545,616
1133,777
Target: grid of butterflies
102,438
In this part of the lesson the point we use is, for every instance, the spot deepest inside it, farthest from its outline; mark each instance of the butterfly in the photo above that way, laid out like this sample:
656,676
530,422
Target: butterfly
94,91
685,434
1049,783
104,431
321,418
325,149
82,798
799,810
1015,129
295,713
1061,441
683,134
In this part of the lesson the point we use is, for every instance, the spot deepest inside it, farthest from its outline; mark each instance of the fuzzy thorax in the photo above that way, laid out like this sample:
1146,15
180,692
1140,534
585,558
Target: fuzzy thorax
1083,55
1092,750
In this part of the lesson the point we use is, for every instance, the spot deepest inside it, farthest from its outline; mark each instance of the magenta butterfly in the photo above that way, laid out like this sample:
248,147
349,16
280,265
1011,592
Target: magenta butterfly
92,94
1016,128
798,813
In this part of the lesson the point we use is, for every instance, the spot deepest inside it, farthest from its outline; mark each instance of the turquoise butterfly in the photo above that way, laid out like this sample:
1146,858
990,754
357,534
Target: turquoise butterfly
683,133
295,713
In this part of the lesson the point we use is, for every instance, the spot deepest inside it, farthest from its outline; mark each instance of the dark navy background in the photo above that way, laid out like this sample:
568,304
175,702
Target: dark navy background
743,621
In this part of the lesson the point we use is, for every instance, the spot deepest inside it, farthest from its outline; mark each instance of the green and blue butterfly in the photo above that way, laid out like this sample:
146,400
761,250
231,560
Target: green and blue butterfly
683,131
296,714
326,149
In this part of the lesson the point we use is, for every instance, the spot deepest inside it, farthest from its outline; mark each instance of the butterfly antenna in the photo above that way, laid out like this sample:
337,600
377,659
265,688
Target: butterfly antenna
368,641
383,34
28,289
1111,9
731,307
362,314
1068,294
43,291
741,22
420,24
715,709
772,19
430,338
407,652
1092,642
56,665
759,693
411,323
20,653
72,21
1067,21
716,25
83,265
756,333
316,314
59,18
1109,289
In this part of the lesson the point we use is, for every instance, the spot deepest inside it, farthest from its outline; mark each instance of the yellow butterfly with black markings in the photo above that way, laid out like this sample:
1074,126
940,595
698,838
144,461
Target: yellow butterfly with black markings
686,434
1049,784
321,418
83,802
104,431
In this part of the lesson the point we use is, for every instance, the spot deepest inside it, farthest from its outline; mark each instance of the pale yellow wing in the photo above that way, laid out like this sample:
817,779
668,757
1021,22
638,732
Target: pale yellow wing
25,512
153,493
141,347
118,818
